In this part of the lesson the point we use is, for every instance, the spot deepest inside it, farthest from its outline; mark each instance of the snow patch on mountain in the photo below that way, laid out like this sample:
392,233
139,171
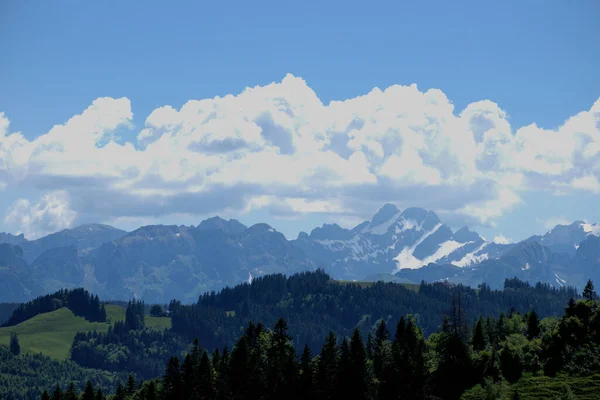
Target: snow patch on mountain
358,247
444,250
383,227
474,257
561,282
406,259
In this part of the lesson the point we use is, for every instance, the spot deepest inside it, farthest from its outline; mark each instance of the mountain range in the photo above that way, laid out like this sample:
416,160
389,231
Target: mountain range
158,262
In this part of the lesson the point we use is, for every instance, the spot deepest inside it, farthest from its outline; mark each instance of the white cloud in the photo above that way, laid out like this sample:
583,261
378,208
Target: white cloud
50,214
553,222
500,239
278,147
588,182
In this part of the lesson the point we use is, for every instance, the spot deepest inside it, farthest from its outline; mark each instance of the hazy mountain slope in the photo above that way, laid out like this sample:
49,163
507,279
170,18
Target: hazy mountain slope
83,238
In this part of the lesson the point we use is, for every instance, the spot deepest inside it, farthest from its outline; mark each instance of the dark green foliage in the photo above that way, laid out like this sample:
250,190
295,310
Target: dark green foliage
327,368
89,393
78,300
134,315
533,325
307,375
172,383
143,351
57,394
130,384
15,347
281,363
455,371
71,393
314,305
120,393
28,375
157,311
478,341
490,358
588,292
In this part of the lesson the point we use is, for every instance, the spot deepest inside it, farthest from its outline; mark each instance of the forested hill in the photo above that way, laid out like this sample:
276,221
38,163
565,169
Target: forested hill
314,305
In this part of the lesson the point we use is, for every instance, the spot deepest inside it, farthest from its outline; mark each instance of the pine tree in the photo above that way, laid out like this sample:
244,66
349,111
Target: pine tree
88,393
99,395
206,378
239,375
216,359
15,347
478,341
343,387
281,373
151,391
380,344
358,365
120,393
588,292
370,346
222,379
327,368
189,376
417,353
45,395
57,395
307,376
454,372
71,393
172,387
131,384
533,325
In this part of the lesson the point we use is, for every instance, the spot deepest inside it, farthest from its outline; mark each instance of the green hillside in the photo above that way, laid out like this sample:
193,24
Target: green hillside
52,333
541,388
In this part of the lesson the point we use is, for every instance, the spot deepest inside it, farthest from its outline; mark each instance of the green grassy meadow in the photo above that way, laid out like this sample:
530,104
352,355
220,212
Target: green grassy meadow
52,333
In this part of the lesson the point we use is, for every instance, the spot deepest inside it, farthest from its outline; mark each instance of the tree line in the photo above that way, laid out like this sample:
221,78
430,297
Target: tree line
388,362
79,301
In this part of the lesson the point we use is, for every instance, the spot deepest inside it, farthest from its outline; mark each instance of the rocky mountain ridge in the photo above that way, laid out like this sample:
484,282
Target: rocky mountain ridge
161,262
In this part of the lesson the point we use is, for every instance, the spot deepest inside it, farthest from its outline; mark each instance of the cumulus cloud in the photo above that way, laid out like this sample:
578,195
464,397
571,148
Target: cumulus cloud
50,214
500,239
278,147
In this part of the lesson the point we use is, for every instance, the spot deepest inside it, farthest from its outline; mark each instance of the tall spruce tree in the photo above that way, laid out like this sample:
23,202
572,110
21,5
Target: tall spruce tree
57,394
71,393
588,292
307,375
327,368
478,341
281,361
131,385
358,367
380,349
89,393
172,383
15,347
206,378
533,325
239,375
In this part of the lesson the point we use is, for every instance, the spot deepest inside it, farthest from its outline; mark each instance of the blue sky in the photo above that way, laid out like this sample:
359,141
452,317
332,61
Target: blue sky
536,60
